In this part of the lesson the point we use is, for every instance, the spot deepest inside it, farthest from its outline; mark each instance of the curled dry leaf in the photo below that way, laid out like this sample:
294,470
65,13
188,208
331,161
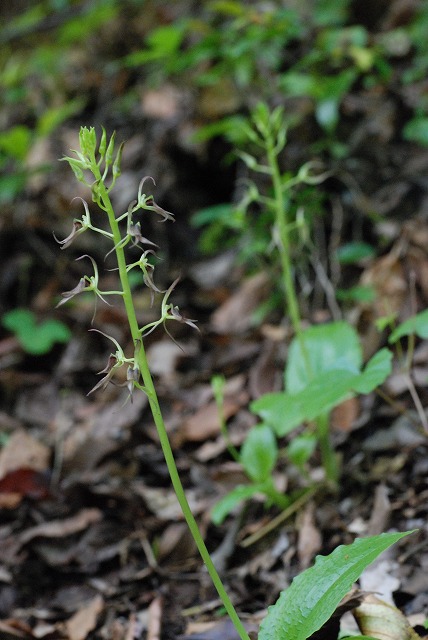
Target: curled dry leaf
380,620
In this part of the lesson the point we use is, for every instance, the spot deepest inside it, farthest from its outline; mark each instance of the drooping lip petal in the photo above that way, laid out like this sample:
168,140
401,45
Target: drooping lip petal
67,295
166,215
78,228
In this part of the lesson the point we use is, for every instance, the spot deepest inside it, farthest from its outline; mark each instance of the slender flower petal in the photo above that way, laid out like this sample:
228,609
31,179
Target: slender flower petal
78,228
166,215
67,295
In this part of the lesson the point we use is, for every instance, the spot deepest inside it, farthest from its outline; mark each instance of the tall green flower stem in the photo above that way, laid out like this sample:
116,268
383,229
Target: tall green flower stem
100,192
271,135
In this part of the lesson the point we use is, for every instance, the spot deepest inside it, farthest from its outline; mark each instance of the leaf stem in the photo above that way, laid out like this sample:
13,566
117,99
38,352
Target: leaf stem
328,455
284,245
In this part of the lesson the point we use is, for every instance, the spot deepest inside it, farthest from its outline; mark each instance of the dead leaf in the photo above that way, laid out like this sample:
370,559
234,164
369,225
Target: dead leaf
176,544
223,630
309,537
163,502
23,483
379,578
61,528
12,629
162,103
84,621
381,620
264,376
154,627
205,422
380,513
236,314
345,414
23,451
102,432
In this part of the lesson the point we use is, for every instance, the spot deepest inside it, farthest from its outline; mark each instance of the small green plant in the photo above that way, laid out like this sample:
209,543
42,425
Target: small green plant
313,596
35,338
335,374
324,362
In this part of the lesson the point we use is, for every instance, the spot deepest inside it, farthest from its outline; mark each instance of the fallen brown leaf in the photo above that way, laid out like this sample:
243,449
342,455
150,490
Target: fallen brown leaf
84,621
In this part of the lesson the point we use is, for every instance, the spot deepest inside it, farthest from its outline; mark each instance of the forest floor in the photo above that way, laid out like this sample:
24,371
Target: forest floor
92,541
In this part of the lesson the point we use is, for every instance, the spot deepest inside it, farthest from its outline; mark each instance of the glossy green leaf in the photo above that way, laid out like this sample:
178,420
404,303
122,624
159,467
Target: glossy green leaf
314,595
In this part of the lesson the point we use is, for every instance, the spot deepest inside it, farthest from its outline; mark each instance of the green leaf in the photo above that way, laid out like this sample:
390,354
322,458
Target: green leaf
416,130
377,370
238,494
334,345
314,595
417,325
359,293
281,411
16,142
35,339
285,411
301,448
17,320
53,117
354,252
259,453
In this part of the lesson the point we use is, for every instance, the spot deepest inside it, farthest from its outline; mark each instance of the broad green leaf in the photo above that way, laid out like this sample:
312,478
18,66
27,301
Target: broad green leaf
35,338
44,336
417,325
326,392
281,411
259,453
17,319
328,346
377,370
285,411
314,595
226,504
